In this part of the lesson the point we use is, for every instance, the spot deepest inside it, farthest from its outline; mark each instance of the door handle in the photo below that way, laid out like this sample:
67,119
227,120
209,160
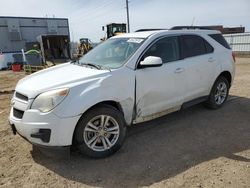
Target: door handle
211,59
179,70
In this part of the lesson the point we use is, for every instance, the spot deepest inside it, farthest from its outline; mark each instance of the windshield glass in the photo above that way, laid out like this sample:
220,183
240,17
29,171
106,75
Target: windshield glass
112,53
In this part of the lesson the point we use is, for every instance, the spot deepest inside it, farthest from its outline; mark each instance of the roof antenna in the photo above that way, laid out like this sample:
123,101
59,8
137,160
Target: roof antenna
193,21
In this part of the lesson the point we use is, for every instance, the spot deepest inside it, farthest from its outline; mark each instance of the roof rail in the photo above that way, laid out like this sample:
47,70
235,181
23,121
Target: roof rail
191,27
141,30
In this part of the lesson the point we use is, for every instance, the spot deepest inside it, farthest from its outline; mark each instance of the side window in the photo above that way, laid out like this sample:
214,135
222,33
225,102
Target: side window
193,45
167,49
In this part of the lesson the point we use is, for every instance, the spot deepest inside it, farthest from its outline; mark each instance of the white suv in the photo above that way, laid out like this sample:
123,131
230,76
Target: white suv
125,80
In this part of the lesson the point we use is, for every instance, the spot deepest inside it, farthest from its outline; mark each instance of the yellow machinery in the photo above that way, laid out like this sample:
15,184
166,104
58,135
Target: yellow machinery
114,29
84,46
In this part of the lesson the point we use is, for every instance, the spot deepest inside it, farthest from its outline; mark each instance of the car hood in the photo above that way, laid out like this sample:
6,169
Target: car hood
65,75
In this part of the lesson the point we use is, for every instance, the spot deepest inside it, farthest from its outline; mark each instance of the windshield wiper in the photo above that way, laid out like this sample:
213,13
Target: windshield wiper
99,67
92,65
104,67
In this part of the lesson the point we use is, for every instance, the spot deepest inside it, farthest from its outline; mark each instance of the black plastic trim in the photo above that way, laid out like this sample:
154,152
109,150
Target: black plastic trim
13,128
18,113
194,102
43,134
146,66
153,29
21,96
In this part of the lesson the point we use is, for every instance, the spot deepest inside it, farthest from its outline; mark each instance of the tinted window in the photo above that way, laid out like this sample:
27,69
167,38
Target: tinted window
209,48
193,45
167,49
220,39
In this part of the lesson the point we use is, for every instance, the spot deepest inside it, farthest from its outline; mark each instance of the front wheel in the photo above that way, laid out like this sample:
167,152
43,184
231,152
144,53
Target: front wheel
218,94
100,132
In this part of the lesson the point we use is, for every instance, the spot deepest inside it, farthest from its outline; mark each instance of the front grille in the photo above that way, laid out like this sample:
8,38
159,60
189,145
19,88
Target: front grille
21,96
18,113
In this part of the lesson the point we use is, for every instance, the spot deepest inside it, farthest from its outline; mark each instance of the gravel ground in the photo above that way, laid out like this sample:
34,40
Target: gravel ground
8,79
195,147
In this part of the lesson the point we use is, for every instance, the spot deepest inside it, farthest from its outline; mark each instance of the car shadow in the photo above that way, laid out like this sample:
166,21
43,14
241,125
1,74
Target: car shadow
157,150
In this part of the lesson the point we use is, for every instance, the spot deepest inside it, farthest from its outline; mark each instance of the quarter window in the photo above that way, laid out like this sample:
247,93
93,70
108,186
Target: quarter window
209,48
220,39
167,49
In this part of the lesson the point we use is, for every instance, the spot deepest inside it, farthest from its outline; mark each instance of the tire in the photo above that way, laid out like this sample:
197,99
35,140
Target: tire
218,94
100,132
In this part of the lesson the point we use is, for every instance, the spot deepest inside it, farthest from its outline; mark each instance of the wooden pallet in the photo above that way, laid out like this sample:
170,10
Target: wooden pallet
29,69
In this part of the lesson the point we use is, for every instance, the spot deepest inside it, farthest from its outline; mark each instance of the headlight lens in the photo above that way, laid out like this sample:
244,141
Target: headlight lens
47,101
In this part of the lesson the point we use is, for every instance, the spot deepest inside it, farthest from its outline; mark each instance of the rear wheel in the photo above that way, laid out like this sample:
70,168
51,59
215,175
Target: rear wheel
218,94
100,132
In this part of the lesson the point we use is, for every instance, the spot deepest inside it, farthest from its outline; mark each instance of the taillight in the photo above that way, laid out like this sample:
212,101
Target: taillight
233,55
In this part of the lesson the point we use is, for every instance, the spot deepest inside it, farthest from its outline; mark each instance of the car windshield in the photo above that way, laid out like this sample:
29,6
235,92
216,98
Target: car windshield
112,53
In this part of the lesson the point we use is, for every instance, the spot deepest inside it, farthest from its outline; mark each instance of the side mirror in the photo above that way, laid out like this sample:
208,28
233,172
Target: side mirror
151,61
103,28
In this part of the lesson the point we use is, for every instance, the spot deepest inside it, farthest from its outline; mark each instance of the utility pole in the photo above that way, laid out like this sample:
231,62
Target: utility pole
128,16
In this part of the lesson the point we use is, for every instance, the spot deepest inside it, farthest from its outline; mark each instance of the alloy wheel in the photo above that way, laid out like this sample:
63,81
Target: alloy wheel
101,133
221,93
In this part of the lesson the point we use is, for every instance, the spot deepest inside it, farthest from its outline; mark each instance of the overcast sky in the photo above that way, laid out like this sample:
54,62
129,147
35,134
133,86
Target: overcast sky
86,17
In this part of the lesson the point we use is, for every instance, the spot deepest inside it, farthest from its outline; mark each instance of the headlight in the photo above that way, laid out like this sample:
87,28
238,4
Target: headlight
47,101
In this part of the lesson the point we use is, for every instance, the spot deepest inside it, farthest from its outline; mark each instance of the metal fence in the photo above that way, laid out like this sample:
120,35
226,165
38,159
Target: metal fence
239,42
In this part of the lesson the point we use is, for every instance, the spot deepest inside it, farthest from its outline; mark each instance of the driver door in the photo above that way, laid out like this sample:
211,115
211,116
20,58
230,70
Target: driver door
160,90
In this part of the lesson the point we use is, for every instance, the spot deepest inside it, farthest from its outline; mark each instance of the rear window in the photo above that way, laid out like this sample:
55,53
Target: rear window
193,45
220,39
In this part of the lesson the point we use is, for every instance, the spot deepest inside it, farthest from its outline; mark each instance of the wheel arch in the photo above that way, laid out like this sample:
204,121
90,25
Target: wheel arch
227,75
110,103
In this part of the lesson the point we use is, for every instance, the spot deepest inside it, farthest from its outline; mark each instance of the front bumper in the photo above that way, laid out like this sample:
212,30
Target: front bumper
56,152
46,129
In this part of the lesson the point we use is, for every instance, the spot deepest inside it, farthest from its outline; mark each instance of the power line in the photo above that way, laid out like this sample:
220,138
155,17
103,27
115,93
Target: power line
87,15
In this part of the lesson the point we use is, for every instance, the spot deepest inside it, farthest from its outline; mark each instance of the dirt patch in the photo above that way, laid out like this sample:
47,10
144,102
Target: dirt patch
196,147
8,80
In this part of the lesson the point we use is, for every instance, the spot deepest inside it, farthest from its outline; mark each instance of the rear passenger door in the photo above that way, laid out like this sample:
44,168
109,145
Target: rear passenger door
201,65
